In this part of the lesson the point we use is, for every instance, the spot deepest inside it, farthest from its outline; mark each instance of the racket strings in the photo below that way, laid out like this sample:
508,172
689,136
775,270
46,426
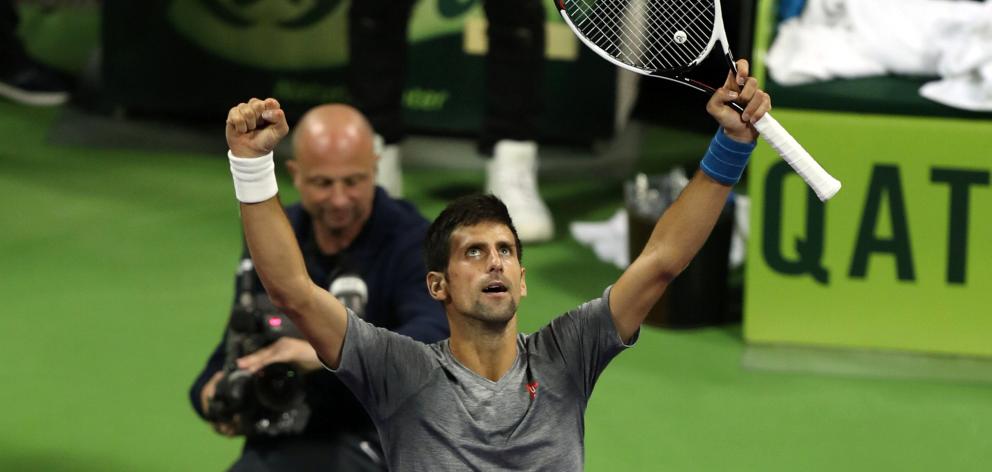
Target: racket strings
697,33
661,35
669,53
602,25
630,45
674,56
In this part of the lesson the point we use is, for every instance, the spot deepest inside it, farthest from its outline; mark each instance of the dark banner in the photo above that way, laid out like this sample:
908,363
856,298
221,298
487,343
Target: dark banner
198,57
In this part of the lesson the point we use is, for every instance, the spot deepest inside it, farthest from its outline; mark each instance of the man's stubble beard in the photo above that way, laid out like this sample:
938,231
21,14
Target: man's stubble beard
496,315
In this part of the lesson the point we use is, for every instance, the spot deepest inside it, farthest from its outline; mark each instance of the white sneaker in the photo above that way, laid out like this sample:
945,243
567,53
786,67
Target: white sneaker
389,175
511,175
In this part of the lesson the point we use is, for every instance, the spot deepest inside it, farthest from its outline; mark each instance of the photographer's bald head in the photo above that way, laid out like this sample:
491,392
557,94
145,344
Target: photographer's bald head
333,167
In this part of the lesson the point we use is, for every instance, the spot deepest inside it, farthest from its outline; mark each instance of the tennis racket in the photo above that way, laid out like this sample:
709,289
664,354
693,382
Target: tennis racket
667,38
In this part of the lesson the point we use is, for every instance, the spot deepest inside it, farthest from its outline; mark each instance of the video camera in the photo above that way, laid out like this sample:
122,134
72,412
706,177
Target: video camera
269,402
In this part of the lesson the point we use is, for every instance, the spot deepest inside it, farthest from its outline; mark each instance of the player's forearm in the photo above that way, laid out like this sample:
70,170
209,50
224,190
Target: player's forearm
683,229
686,225
279,264
275,252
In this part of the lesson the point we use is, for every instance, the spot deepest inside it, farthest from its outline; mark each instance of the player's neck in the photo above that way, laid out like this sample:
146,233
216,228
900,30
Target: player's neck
487,350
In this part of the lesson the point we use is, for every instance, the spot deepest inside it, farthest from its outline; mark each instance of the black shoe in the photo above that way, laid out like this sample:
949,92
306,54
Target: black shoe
33,84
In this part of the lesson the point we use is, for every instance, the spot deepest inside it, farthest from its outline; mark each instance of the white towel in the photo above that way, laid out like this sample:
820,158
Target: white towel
859,38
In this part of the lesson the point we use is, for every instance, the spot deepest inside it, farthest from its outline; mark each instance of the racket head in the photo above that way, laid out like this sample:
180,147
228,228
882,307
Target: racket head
666,38
661,38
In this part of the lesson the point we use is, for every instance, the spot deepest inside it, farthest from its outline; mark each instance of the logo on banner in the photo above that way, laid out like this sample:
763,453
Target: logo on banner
268,34
295,35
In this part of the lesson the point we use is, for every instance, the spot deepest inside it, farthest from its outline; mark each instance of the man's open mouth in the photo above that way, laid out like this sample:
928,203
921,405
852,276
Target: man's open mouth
495,287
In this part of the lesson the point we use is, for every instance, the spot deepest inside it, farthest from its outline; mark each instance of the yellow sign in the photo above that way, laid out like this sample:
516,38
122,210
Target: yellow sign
899,259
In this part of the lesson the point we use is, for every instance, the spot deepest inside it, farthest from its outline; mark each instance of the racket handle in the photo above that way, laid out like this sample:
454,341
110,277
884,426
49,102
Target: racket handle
793,153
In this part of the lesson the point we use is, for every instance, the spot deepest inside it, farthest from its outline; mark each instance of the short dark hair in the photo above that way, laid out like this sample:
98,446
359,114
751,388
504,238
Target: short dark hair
465,211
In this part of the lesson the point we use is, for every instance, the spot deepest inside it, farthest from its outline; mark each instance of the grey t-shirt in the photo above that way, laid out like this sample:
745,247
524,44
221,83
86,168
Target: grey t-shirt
433,413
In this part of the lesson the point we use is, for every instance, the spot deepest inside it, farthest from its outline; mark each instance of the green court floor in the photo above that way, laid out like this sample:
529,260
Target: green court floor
115,279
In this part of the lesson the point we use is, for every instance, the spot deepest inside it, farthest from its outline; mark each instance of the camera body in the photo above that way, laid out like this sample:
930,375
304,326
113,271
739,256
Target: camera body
269,402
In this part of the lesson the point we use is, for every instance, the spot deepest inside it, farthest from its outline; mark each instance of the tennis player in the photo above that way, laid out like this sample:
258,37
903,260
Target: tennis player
487,398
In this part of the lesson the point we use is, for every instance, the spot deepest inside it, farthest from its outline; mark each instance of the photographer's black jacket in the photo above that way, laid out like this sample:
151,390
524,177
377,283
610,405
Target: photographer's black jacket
388,256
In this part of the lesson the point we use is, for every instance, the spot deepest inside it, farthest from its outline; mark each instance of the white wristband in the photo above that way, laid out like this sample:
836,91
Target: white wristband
254,178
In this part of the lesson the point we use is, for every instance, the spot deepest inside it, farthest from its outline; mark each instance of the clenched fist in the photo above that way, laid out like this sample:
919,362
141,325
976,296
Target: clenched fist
254,128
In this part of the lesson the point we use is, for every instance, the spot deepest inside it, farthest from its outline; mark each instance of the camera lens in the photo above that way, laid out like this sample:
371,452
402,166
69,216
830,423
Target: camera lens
231,396
279,386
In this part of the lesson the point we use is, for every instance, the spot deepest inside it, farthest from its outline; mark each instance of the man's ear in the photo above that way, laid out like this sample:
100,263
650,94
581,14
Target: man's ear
523,282
437,286
294,171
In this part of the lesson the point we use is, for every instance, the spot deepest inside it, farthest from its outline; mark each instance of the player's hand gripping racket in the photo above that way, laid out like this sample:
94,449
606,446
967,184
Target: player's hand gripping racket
666,38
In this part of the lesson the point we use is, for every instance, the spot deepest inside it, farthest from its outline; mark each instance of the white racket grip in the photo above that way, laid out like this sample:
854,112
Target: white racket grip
793,153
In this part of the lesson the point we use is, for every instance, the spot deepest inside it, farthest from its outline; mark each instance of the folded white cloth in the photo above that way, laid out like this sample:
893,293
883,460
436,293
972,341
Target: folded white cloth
860,38
965,64
969,92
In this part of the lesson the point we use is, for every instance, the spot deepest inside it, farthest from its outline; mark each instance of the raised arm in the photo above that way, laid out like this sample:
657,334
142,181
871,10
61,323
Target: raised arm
684,227
253,130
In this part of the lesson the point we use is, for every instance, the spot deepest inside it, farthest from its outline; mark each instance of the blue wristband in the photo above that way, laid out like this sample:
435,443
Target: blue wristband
726,159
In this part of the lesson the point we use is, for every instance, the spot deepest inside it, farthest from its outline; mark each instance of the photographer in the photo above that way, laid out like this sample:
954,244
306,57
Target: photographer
362,246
